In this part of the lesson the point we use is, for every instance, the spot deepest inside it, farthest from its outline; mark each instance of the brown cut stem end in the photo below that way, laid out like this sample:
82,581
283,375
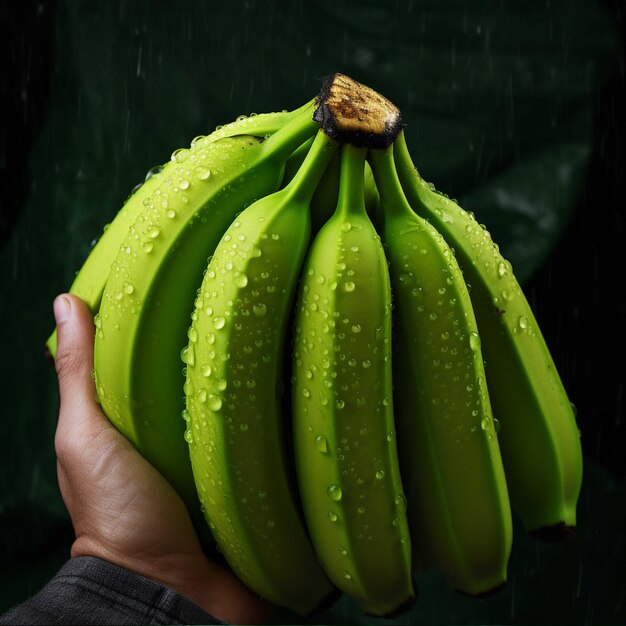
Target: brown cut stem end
353,113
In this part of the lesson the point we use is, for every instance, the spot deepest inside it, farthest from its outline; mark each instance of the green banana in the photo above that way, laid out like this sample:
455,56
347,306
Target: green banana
539,439
141,326
344,434
91,278
234,371
459,508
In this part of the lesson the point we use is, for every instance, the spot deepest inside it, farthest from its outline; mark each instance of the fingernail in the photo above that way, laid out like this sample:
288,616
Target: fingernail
61,308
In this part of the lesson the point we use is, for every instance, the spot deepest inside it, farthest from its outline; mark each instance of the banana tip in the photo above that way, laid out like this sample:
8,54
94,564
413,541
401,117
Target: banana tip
327,602
552,534
484,594
403,608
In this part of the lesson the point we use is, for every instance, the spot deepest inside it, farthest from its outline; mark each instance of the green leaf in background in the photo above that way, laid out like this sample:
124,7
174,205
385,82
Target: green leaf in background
498,98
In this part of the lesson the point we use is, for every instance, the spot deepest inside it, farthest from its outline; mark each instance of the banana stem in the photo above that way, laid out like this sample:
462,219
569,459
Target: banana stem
305,182
401,152
304,108
394,201
351,183
406,170
284,141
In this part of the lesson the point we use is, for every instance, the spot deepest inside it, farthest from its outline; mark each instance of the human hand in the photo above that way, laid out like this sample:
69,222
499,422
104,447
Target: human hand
122,509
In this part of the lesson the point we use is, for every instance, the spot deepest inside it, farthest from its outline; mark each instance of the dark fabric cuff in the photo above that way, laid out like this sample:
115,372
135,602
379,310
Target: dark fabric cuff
88,590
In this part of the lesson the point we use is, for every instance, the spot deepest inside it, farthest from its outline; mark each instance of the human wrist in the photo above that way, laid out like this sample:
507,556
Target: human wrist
119,595
210,586
187,575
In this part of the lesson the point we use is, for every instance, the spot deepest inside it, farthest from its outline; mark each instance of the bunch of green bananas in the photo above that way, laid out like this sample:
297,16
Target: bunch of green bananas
354,335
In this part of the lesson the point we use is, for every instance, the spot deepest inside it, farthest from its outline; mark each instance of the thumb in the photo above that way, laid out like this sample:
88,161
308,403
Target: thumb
74,357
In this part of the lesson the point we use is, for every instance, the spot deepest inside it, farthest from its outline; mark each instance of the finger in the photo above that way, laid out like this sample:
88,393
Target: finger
74,360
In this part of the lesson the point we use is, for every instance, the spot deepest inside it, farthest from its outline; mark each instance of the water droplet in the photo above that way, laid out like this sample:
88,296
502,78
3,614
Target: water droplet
522,322
474,341
349,286
215,402
484,423
153,171
496,425
343,551
192,334
202,172
219,322
188,436
380,474
206,370
340,404
347,575
332,516
360,509
390,435
367,364
180,155
321,444
153,232
128,288
202,395
241,280
356,328
400,502
306,393
147,247
334,492
184,184
259,309
346,227
184,354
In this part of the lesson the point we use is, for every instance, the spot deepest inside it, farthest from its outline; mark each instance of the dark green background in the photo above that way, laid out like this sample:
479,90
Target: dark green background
514,108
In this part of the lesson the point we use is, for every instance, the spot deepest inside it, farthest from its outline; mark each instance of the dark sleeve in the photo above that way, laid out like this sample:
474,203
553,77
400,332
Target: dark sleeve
87,590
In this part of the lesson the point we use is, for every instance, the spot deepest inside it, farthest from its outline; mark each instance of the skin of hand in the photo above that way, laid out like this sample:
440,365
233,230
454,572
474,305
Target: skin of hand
122,509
